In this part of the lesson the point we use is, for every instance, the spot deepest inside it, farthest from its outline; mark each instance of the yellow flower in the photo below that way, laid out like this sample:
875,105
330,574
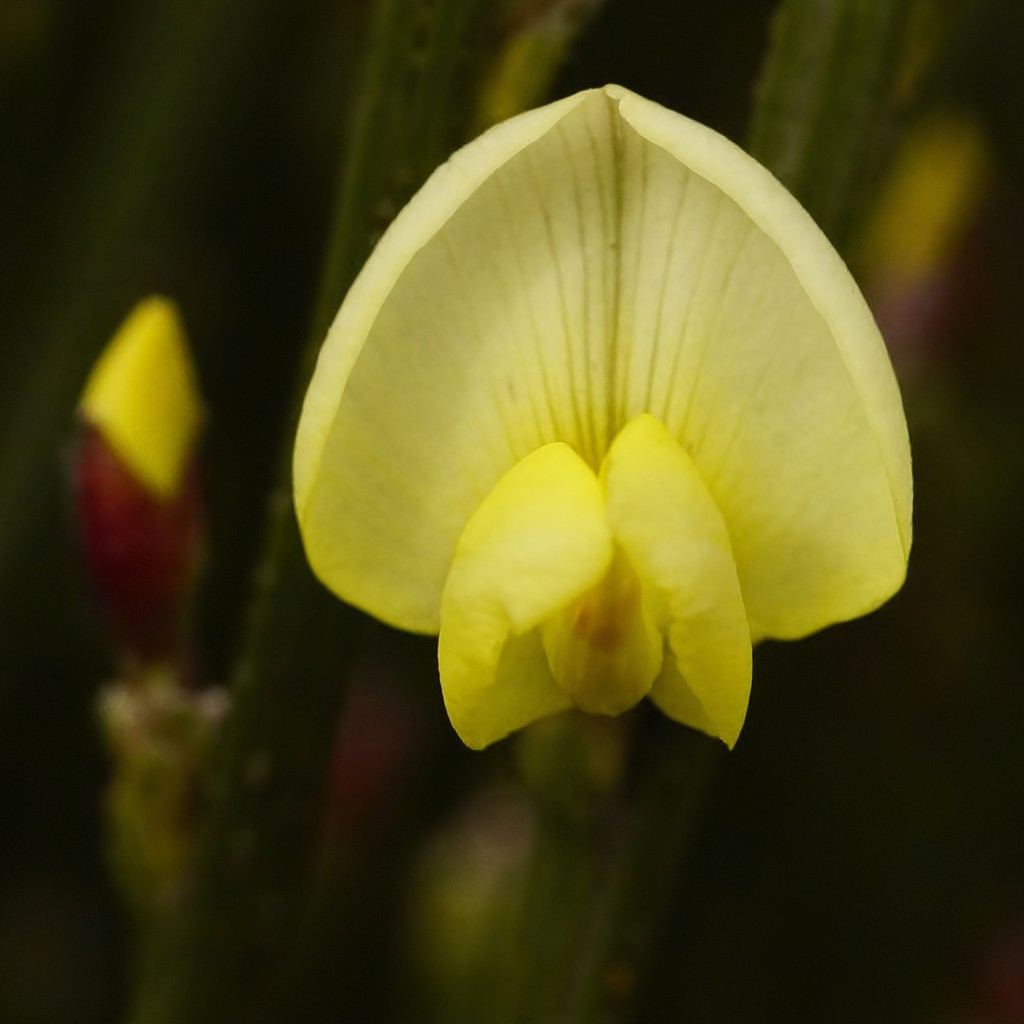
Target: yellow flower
603,408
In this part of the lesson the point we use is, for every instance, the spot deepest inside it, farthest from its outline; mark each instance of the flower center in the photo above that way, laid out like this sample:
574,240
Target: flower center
604,650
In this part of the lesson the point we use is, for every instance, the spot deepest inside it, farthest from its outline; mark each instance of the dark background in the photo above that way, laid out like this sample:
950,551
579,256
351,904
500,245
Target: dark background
861,857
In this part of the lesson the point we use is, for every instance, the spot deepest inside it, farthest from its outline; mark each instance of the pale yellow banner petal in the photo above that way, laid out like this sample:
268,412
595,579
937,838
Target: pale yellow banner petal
669,526
741,329
460,349
577,266
538,540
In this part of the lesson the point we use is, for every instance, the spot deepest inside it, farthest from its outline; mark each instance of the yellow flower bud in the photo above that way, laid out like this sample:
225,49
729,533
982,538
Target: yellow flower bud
143,398
138,497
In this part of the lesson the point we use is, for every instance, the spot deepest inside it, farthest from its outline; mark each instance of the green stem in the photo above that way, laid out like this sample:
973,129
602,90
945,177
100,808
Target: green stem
641,868
600,882
828,100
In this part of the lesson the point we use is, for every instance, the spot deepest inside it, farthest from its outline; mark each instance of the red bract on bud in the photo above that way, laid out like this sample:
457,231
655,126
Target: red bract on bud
142,551
137,492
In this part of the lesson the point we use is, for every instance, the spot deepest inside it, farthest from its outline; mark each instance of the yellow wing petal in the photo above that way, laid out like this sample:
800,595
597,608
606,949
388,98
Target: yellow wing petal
667,523
537,541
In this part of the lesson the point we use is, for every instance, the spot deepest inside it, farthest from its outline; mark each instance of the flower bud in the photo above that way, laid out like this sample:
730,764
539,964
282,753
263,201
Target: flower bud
137,493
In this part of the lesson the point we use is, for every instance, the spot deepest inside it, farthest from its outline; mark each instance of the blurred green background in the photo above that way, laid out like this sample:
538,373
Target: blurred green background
861,853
